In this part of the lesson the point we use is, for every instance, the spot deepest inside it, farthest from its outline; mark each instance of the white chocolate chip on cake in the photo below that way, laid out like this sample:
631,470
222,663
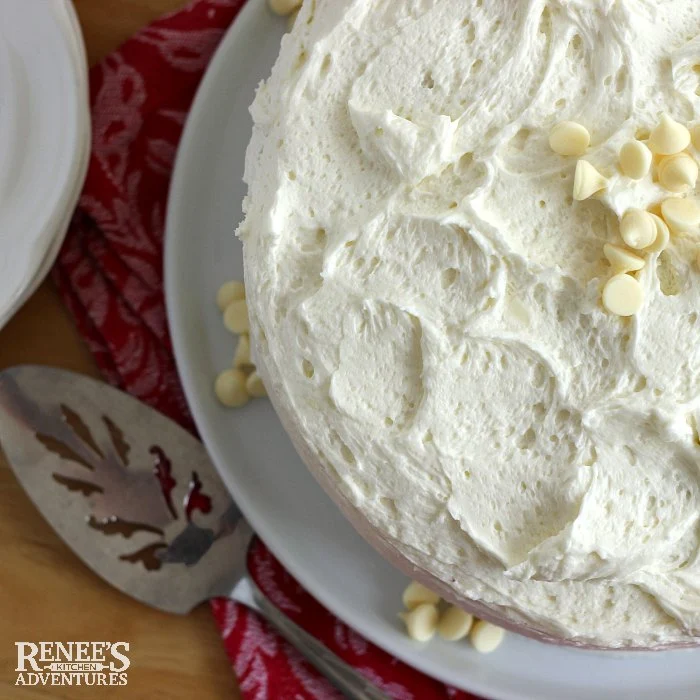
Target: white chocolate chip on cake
695,136
621,259
255,387
587,181
236,317
669,137
635,160
569,139
663,236
678,173
421,622
230,388
455,624
229,292
486,637
637,229
623,295
681,215
241,359
416,593
284,7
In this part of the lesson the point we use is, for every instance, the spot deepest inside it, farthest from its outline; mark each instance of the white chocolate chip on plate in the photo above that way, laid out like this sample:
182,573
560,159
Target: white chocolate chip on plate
663,236
255,387
678,173
421,622
455,624
416,593
669,137
587,181
241,359
635,160
486,637
623,295
621,259
236,317
230,388
681,215
284,7
638,229
228,292
569,139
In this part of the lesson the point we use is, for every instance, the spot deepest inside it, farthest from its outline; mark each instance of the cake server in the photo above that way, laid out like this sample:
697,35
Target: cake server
139,501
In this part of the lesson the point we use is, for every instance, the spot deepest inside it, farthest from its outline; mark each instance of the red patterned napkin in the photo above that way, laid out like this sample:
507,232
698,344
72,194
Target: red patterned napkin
110,276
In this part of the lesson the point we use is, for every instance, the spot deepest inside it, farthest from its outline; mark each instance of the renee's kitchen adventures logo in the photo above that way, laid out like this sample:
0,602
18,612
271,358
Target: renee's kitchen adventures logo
72,663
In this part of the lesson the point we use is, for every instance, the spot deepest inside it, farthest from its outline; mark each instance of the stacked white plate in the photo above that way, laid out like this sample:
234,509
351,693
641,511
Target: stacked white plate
44,139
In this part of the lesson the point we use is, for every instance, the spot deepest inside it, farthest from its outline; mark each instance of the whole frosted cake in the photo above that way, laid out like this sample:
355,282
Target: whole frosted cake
498,383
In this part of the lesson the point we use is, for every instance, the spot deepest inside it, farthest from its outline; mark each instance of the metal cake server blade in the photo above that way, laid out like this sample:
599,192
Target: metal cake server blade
138,500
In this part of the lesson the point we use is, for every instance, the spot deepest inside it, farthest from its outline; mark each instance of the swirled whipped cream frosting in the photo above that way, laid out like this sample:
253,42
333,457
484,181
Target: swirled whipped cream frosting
425,301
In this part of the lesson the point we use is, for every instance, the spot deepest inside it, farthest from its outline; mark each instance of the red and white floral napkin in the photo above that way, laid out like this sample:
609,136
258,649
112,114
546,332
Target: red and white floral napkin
110,274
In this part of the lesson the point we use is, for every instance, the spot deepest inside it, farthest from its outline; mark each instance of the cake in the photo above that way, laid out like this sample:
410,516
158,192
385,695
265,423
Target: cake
447,332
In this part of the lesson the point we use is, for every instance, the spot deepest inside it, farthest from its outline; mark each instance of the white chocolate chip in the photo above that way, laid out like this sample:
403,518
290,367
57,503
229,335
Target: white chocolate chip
230,388
587,181
421,622
669,137
681,215
284,7
663,236
655,209
695,136
454,624
486,637
241,359
228,292
678,173
621,259
635,160
416,593
638,229
255,387
236,317
569,139
623,295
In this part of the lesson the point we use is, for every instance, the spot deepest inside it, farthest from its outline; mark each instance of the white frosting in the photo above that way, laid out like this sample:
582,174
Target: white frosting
425,299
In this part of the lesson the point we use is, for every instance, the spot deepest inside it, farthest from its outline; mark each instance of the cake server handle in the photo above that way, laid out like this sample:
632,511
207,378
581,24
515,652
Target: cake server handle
351,683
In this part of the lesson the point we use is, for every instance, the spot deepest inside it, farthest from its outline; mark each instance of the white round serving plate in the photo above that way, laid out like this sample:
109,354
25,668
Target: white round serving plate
256,458
44,139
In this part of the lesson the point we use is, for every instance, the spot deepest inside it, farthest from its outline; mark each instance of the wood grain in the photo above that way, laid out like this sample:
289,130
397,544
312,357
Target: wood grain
46,593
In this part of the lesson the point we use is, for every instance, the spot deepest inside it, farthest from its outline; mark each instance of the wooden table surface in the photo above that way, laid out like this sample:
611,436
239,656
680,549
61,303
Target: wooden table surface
46,593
